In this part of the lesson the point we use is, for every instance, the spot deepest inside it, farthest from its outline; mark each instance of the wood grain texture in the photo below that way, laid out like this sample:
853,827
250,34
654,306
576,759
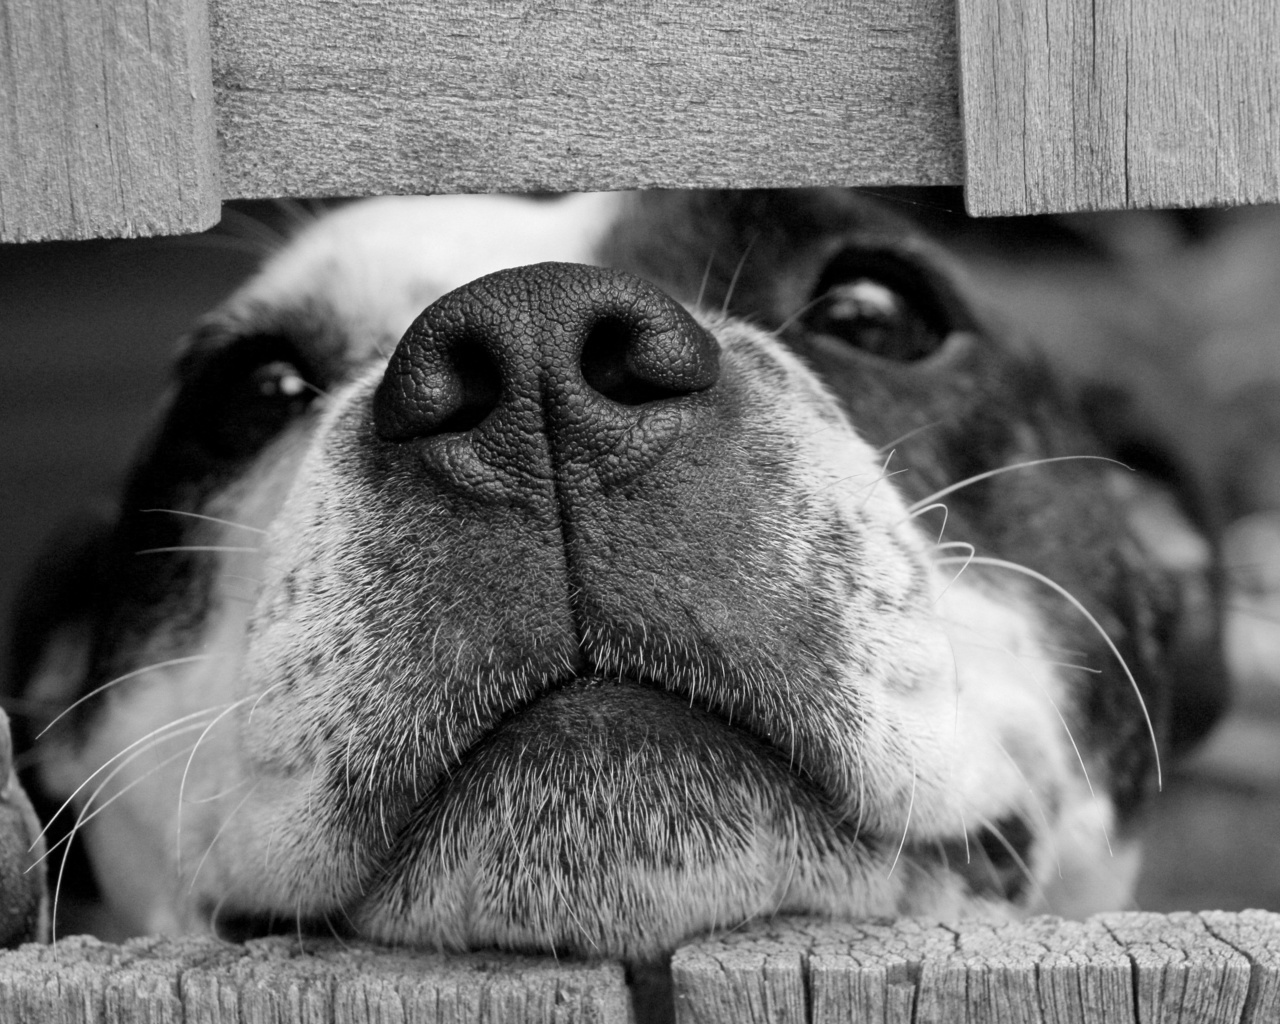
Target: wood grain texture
358,97
106,119
186,981
1112,969
1253,934
1183,973
1110,104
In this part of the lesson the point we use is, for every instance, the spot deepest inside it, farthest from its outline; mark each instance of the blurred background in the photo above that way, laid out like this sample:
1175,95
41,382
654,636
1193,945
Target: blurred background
1174,317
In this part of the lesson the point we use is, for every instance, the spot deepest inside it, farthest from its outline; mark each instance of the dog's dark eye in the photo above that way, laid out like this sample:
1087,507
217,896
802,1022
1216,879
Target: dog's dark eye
880,304
261,404
279,381
239,398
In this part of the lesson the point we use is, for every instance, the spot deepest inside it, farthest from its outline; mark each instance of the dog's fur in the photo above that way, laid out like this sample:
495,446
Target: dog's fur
505,644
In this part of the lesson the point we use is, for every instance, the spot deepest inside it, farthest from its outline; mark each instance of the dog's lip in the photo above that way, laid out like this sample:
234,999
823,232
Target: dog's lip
799,757
740,724
691,714
623,764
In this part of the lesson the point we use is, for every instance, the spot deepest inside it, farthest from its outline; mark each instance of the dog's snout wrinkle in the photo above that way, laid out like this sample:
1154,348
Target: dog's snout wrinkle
576,354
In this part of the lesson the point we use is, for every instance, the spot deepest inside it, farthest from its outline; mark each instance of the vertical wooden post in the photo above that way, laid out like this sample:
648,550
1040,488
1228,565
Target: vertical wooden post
1108,104
106,119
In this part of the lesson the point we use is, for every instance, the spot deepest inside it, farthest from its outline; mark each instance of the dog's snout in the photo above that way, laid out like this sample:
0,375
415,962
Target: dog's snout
564,340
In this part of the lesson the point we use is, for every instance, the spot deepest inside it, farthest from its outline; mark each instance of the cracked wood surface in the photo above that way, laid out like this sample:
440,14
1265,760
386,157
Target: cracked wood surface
1111,104
106,119
280,981
1133,968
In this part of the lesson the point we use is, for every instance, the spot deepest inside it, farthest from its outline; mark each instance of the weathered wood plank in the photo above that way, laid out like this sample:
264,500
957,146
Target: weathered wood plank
318,98
1183,974
748,982
1210,968
1109,104
185,981
1253,934
106,119
1112,969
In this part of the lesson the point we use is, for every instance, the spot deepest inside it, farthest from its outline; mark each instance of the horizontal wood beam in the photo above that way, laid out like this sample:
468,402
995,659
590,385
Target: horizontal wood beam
1208,968
320,99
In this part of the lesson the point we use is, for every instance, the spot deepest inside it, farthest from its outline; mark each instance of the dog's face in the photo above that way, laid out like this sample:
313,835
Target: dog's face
597,602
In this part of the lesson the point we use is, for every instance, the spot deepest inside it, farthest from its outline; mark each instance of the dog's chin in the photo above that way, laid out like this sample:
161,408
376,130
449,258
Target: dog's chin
611,818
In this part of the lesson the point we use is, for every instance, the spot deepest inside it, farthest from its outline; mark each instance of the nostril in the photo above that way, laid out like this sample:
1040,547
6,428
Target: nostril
444,385
607,365
476,390
637,359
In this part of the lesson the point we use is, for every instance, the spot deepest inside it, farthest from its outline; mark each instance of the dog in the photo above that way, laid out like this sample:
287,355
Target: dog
580,574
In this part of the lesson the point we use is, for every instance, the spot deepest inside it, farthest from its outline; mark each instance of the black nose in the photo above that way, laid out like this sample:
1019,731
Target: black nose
563,336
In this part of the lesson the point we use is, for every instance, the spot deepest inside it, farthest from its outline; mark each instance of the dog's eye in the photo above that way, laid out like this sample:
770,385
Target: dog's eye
241,397
281,382
880,304
261,404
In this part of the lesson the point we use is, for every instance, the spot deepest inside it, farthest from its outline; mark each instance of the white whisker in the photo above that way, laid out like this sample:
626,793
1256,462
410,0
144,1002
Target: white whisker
971,553
247,579
884,475
205,518
117,681
1000,563
733,281
908,435
213,798
955,738
990,826
92,809
1035,798
977,478
182,785
1022,655
187,722
928,508
706,276
83,819
798,313
218,835
196,547
1057,711
907,824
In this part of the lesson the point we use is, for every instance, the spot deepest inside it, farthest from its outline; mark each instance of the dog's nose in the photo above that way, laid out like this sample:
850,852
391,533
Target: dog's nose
576,352
563,331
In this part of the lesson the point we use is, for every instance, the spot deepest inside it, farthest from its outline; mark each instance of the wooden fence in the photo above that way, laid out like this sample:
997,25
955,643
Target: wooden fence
140,116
